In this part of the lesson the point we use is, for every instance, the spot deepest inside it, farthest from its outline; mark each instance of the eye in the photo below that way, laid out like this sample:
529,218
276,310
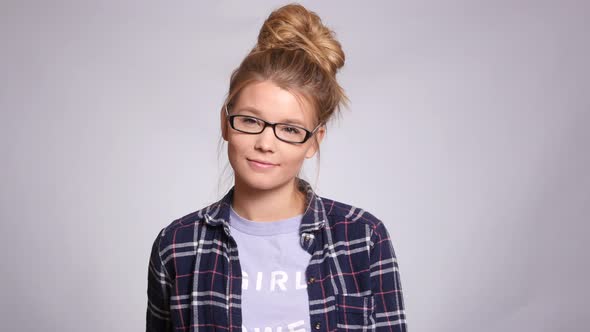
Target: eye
291,130
249,120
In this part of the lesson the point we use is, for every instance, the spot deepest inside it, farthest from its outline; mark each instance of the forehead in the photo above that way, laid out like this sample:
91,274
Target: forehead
273,103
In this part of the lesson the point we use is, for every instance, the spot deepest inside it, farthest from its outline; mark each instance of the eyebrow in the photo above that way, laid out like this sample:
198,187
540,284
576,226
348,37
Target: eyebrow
257,113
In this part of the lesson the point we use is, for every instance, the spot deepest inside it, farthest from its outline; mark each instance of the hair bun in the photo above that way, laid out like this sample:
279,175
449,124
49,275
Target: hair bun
293,27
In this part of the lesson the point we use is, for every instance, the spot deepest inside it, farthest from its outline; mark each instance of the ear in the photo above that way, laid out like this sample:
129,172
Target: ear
315,145
224,124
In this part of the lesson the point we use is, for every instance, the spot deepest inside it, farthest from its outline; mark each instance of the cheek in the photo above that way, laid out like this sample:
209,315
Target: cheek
295,157
234,151
236,144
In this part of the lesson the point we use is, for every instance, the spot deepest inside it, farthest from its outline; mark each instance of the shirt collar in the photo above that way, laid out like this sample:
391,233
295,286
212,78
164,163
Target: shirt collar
314,218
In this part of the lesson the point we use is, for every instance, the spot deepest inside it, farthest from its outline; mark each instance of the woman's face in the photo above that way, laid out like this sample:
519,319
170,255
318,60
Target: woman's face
267,101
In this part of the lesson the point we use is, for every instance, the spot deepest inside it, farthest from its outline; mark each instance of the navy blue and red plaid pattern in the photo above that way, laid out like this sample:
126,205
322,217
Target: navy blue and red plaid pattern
353,281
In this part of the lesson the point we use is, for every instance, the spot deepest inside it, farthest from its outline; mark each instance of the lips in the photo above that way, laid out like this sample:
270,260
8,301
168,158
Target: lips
263,162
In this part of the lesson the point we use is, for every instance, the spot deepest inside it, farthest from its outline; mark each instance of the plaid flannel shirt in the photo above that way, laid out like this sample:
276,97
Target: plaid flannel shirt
353,281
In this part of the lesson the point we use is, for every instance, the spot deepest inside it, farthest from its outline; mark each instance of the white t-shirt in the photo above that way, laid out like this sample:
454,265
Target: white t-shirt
274,292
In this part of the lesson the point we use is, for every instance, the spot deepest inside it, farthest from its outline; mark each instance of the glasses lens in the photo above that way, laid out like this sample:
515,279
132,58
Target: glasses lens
248,124
290,133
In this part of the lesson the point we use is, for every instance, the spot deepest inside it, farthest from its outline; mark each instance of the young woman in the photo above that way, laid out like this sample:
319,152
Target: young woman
272,255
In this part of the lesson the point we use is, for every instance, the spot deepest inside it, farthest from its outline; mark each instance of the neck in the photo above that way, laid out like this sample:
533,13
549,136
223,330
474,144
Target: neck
268,205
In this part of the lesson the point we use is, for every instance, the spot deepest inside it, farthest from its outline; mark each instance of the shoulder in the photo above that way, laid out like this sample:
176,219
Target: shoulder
356,226
183,229
346,216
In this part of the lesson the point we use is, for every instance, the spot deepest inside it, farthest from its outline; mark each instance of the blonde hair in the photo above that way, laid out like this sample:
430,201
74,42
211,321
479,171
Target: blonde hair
298,53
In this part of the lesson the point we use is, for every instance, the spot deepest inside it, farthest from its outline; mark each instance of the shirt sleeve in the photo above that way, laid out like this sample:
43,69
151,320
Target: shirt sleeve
385,283
158,292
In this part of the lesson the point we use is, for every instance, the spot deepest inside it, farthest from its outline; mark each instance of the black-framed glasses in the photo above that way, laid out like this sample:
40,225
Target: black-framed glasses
285,132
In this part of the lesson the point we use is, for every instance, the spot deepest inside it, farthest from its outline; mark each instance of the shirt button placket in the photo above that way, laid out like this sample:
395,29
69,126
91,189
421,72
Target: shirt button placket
310,281
313,272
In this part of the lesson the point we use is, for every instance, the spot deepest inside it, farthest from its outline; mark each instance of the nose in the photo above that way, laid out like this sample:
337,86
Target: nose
266,139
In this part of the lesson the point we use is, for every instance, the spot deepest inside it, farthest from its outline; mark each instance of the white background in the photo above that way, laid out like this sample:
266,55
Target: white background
467,134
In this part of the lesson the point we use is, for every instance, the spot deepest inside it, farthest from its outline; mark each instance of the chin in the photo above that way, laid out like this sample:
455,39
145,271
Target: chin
261,181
